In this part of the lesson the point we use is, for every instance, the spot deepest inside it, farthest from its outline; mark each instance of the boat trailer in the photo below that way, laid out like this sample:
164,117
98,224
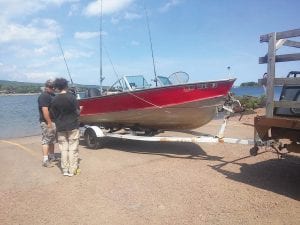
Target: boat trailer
94,135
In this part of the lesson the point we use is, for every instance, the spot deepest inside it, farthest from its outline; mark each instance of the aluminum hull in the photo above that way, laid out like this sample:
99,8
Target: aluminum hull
176,107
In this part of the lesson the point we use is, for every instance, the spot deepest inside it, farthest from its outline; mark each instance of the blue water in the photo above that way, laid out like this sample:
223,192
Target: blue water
19,114
255,91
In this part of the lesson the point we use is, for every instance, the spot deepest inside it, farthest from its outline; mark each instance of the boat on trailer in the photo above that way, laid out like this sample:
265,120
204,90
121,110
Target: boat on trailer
174,105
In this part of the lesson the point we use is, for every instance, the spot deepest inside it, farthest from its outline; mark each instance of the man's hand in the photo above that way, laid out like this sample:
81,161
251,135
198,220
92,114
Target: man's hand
50,125
47,117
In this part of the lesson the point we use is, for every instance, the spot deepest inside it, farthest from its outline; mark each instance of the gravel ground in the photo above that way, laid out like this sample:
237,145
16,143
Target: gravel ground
133,182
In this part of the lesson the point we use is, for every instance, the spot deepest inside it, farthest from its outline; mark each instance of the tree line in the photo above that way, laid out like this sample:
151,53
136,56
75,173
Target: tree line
10,87
19,89
15,87
249,84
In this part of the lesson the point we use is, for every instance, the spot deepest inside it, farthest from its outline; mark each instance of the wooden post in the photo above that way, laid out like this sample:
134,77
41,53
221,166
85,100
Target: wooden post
271,75
275,41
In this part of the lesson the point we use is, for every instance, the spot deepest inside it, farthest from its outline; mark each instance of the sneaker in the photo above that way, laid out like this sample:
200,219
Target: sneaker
47,164
53,160
68,174
77,172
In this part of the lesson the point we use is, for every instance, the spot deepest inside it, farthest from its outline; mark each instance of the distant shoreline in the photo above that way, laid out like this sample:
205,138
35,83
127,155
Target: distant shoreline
18,94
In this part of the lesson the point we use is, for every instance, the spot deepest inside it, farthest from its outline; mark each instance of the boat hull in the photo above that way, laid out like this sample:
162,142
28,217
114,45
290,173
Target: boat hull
183,116
169,108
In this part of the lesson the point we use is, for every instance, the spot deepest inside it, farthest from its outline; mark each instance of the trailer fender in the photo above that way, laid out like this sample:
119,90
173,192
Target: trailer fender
93,136
98,132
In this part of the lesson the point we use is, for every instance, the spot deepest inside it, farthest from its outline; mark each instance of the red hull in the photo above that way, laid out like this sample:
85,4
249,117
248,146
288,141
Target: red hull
185,99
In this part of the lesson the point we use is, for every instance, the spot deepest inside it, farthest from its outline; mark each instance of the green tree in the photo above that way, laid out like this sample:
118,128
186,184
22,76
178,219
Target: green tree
249,84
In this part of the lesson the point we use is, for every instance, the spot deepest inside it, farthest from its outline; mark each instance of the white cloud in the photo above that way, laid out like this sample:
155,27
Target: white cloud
40,31
171,3
126,16
108,7
74,9
58,59
15,8
5,68
75,54
115,20
132,16
59,2
28,52
40,76
43,50
86,35
10,72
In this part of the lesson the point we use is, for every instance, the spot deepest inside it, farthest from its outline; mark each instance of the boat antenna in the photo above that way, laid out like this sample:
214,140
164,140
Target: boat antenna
62,52
229,73
151,46
100,48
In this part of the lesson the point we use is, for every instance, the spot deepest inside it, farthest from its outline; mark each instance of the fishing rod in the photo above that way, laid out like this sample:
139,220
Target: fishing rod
100,49
151,46
111,63
62,51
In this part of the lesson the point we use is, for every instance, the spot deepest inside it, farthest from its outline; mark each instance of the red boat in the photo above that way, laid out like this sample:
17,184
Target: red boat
132,103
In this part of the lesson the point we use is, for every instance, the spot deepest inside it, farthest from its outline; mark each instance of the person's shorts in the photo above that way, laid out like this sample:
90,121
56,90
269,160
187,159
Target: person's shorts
48,135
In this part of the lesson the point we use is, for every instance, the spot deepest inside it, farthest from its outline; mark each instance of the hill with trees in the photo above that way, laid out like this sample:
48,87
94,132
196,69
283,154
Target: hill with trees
249,84
9,87
15,87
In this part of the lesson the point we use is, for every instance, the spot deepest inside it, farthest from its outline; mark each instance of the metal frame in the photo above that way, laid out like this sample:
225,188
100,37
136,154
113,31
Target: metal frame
269,129
199,139
100,133
275,41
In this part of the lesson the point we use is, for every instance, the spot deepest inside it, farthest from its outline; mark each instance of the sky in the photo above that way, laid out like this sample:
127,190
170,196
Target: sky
200,37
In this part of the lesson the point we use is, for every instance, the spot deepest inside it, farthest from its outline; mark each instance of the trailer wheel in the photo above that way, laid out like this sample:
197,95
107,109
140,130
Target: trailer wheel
91,139
254,150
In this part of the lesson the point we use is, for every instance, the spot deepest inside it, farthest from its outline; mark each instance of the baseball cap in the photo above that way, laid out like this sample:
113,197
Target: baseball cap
49,83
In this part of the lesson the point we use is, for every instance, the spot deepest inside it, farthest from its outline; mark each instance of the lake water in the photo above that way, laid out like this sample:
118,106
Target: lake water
255,91
19,114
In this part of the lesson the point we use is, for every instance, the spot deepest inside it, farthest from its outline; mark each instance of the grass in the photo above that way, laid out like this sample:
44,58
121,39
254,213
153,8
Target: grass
251,102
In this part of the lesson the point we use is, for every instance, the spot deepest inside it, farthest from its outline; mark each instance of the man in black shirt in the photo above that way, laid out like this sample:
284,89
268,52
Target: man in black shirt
48,127
65,109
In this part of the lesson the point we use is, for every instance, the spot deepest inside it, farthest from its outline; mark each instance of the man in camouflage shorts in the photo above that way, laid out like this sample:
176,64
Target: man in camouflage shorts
48,127
48,135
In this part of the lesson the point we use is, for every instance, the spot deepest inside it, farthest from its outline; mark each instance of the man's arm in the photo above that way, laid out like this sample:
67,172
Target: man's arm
78,107
46,115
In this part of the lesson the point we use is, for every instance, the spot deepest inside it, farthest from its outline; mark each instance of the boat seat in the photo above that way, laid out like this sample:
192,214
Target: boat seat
132,85
92,92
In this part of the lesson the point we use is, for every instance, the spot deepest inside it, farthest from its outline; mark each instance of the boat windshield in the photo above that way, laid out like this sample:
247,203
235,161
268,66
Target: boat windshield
129,83
137,82
120,85
164,81
174,79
